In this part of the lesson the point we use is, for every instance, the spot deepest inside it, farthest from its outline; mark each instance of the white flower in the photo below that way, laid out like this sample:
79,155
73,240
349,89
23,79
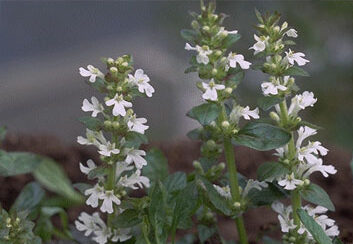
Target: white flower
95,107
95,194
260,45
246,113
296,57
107,149
122,167
223,191
141,80
135,156
284,216
312,148
290,182
300,102
268,88
90,166
233,59
108,198
303,133
135,179
91,72
224,32
292,33
121,235
93,138
203,52
253,184
317,165
137,124
119,105
211,90
86,223
102,235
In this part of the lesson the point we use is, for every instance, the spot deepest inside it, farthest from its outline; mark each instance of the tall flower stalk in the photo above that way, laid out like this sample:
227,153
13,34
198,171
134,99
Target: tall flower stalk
117,135
297,160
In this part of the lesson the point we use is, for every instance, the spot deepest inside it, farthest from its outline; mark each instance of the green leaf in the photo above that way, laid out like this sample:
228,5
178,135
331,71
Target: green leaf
215,198
127,219
305,123
29,198
205,113
231,39
82,187
98,172
265,103
157,165
270,171
235,79
205,232
315,194
191,69
187,239
266,196
3,131
195,134
268,240
48,212
175,182
294,70
99,85
91,123
337,241
134,139
53,177
16,163
314,228
261,136
188,35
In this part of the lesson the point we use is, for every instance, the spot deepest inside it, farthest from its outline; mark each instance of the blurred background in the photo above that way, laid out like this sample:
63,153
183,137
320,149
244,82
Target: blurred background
44,43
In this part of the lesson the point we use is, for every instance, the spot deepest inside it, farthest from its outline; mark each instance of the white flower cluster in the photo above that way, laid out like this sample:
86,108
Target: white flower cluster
318,214
308,158
251,184
127,172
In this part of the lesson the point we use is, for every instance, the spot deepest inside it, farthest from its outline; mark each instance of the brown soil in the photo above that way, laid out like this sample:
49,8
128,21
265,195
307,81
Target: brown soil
180,155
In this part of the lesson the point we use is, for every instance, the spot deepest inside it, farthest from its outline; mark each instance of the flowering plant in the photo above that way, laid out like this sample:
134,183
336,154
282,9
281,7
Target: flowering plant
131,195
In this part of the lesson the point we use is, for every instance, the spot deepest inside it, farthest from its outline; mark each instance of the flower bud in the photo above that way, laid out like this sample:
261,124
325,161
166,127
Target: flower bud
286,161
130,112
110,61
222,166
298,120
125,64
211,143
218,53
123,193
225,124
107,123
228,90
195,24
306,182
284,25
214,71
276,28
237,205
291,239
116,125
223,60
206,28
110,87
235,131
113,70
274,116
119,89
120,60
209,215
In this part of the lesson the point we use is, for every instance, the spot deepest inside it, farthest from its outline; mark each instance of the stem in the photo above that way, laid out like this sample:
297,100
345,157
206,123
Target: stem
296,204
234,186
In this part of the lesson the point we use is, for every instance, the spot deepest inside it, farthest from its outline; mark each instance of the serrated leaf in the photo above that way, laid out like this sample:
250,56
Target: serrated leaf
261,136
53,177
265,103
266,196
188,35
29,198
127,219
314,228
91,123
270,171
295,70
16,163
175,182
315,194
157,165
205,113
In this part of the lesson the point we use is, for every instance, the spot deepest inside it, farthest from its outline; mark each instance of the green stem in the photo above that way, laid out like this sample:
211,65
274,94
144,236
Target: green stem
296,204
234,186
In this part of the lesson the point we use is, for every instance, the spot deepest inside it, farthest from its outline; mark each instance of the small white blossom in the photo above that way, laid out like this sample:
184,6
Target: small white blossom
89,224
108,149
290,182
300,102
292,33
141,80
292,57
108,198
135,156
90,166
268,88
91,72
260,45
119,105
253,184
137,124
234,58
246,113
93,138
102,235
223,191
211,90
122,167
94,194
135,179
303,133
224,32
203,52
95,107
121,235
317,165
284,216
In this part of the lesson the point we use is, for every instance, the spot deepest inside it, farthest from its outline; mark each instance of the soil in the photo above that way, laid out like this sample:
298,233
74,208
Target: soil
180,154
